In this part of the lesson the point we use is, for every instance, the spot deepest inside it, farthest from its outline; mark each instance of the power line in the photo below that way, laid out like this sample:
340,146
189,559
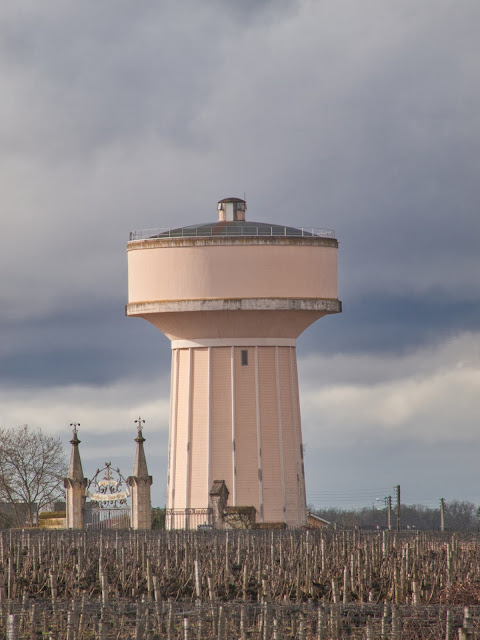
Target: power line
352,492
367,497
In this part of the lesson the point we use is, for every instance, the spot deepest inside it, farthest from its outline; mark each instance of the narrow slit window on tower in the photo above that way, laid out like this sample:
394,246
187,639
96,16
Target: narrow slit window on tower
244,357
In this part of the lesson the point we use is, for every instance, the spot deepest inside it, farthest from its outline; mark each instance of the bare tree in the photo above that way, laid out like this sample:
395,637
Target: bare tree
32,468
460,515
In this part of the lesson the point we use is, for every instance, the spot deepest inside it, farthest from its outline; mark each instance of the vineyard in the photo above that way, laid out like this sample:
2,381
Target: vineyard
265,585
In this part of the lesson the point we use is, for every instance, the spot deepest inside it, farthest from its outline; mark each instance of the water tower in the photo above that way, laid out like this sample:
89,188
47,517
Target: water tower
233,297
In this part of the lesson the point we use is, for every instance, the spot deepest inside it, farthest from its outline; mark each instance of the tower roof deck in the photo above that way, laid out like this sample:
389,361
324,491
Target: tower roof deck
237,229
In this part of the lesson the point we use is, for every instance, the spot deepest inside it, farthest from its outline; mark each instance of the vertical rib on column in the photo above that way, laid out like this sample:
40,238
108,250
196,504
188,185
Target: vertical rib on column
221,417
209,444
271,467
298,440
280,434
295,429
246,455
259,438
181,429
199,429
173,430
189,430
234,469
289,439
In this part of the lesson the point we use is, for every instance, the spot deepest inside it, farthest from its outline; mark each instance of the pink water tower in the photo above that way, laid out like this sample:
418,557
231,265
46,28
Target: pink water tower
233,297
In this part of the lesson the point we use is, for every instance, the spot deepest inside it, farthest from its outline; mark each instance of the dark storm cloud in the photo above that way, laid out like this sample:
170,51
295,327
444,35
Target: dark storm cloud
357,116
361,117
100,74
391,324
81,348
363,121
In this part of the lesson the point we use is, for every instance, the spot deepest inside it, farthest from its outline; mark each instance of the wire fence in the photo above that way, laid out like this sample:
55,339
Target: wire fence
188,518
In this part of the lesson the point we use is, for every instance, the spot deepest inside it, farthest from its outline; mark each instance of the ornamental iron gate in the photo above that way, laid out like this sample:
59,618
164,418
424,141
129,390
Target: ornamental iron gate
188,519
107,500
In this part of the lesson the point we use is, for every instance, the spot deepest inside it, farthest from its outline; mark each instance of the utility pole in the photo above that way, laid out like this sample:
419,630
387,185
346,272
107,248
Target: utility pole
442,514
389,513
397,488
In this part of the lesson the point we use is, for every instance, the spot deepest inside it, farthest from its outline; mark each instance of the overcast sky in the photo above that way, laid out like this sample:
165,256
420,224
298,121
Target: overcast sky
363,117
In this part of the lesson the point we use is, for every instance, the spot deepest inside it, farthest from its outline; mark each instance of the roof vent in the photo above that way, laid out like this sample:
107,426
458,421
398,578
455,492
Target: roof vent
231,210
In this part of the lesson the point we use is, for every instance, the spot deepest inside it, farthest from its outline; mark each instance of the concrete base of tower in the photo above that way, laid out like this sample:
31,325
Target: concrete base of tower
235,416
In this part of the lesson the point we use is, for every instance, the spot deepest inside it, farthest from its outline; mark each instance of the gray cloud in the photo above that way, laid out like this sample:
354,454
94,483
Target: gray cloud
106,414
391,324
361,117
361,121
81,347
389,419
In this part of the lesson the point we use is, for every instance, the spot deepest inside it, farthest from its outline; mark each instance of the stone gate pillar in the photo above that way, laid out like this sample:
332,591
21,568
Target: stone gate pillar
75,485
218,497
139,483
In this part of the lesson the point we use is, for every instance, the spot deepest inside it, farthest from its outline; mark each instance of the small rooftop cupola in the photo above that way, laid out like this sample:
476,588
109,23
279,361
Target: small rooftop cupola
231,210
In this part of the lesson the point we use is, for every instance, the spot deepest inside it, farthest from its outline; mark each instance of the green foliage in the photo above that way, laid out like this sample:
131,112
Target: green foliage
158,518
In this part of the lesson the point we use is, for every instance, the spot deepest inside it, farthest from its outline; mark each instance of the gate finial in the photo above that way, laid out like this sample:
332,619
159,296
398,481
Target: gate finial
75,484
75,431
139,483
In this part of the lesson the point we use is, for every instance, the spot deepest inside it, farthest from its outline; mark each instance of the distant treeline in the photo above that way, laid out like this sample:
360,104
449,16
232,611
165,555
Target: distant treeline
458,516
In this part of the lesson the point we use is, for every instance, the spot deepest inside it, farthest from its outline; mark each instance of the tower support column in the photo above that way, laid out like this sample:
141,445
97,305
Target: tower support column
236,416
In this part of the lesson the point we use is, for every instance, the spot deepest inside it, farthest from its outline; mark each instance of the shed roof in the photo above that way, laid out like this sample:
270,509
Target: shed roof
218,487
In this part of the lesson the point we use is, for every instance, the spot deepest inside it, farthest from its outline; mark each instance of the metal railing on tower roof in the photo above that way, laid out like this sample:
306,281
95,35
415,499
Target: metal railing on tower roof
236,230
